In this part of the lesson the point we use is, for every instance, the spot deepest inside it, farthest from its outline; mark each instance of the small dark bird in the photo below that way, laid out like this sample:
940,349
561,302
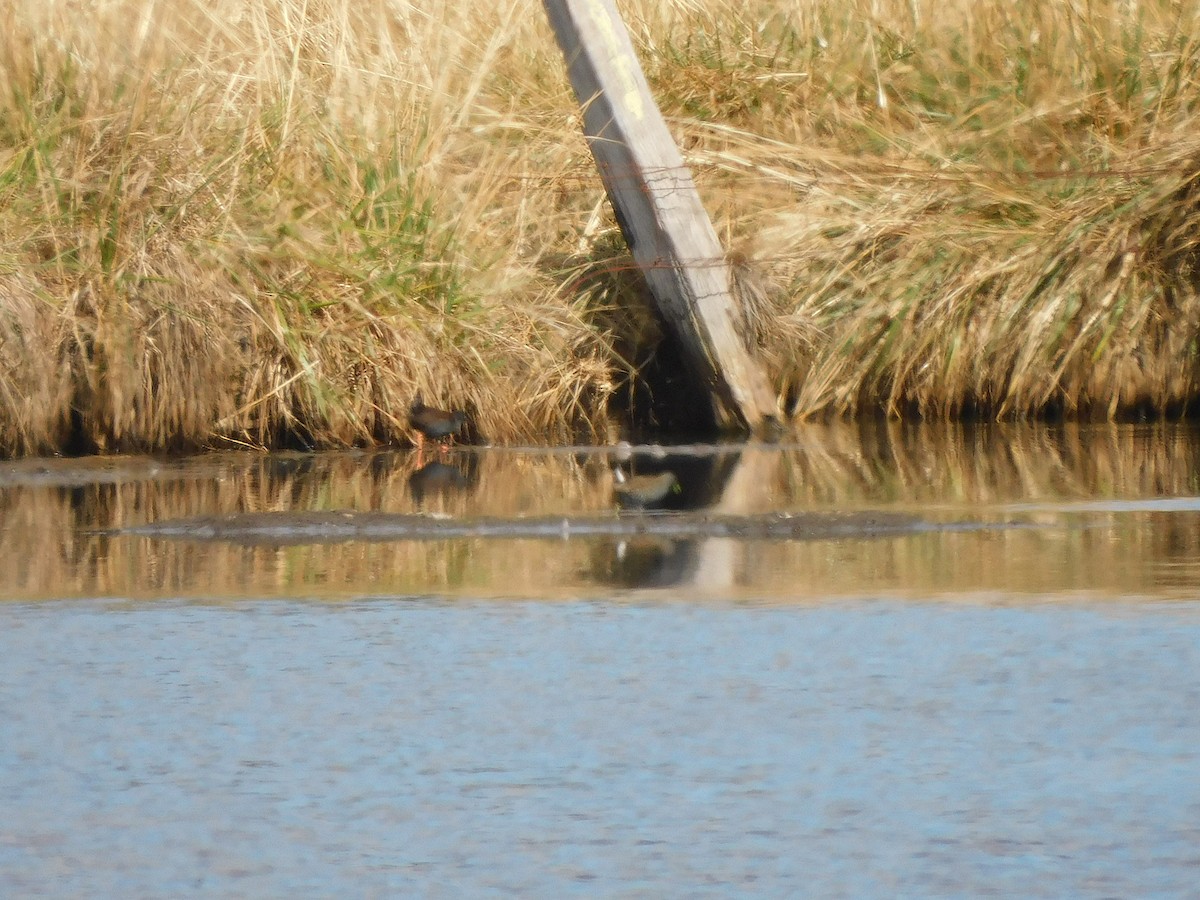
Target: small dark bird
642,491
436,424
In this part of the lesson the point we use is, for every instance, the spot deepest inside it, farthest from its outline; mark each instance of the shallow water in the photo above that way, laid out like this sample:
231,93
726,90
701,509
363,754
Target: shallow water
1011,512
1001,702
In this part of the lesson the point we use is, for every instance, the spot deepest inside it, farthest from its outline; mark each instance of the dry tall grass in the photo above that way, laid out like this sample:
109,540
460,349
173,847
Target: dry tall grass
230,222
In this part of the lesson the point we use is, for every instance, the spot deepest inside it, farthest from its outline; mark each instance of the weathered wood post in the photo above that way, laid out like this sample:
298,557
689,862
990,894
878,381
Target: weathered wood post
659,210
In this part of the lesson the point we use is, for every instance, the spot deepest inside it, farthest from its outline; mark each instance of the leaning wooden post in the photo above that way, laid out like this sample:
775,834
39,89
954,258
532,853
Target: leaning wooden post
659,210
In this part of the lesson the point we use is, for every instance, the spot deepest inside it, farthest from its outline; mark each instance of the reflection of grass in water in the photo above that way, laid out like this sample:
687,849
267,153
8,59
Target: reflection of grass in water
876,461
48,552
280,222
53,555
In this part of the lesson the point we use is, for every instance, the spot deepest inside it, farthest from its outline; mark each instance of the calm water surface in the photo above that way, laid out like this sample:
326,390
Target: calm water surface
1006,706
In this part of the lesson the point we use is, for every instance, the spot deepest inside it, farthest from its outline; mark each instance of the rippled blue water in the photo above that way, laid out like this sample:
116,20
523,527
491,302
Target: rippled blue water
446,749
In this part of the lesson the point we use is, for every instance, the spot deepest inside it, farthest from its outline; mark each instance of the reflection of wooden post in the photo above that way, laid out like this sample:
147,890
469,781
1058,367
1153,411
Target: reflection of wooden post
746,490
659,210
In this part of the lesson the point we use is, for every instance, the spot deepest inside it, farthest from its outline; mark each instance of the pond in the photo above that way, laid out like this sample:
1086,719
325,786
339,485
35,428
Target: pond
870,660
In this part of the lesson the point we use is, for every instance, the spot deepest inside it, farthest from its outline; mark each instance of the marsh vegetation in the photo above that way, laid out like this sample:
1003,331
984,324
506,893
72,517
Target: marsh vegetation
251,225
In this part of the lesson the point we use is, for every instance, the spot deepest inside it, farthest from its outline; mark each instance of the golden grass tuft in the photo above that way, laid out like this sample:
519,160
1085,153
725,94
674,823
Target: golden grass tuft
35,371
224,224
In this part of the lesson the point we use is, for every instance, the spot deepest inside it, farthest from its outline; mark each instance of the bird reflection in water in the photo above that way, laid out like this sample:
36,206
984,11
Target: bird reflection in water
443,479
643,561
